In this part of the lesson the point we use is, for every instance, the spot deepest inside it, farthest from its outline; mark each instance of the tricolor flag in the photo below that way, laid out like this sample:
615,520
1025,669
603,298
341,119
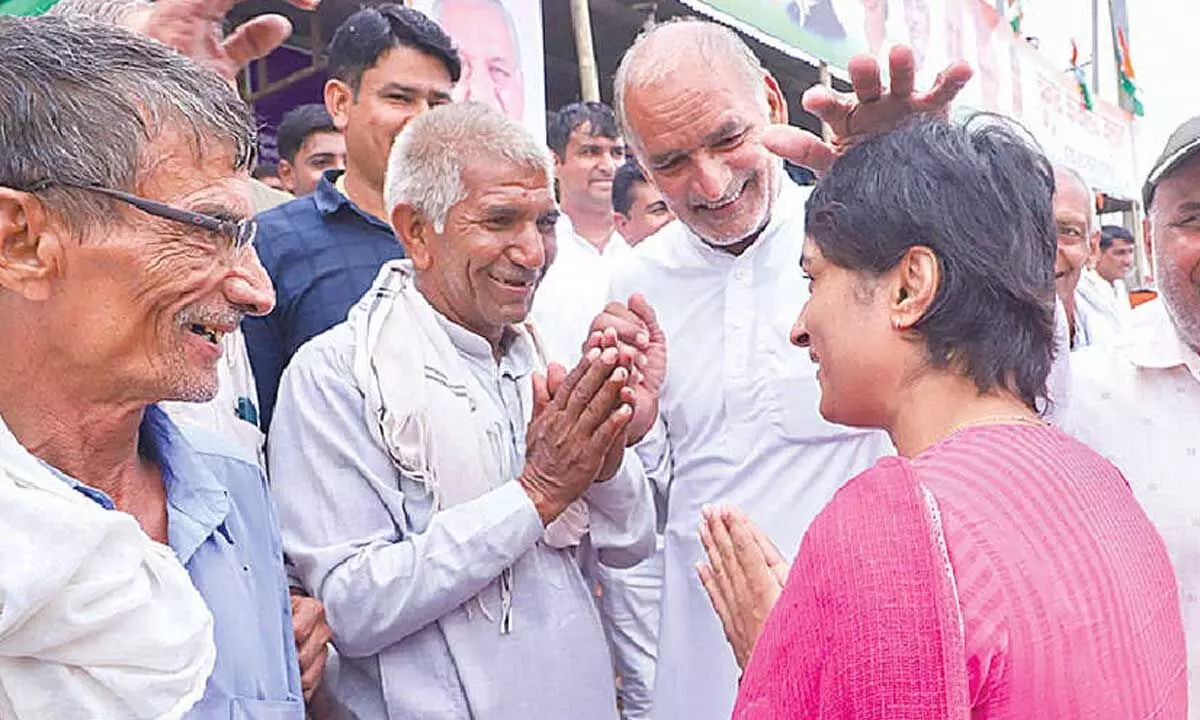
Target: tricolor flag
1125,78
1085,95
1015,15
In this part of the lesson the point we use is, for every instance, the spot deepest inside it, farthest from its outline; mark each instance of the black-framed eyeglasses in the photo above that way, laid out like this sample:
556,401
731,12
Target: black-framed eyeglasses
238,234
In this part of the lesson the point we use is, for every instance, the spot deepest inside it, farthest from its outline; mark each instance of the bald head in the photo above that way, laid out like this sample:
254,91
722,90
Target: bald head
686,50
1071,189
693,102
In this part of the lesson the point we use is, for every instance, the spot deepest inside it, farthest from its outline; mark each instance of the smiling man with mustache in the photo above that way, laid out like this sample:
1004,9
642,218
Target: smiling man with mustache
118,279
453,479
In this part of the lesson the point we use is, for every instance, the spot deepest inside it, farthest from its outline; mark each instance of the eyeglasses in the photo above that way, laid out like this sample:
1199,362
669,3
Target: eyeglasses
238,234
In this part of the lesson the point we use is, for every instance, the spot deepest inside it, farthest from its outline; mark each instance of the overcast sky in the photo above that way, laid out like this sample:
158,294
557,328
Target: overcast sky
1165,45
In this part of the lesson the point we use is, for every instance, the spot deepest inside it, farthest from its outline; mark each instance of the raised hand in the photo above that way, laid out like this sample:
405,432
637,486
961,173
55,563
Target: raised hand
744,576
576,430
196,29
869,109
634,329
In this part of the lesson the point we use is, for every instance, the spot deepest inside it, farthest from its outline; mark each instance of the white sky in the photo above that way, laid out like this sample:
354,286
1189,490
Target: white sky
1165,50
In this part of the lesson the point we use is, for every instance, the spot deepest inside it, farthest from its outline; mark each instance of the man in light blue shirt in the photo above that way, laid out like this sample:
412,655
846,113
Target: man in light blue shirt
119,277
220,523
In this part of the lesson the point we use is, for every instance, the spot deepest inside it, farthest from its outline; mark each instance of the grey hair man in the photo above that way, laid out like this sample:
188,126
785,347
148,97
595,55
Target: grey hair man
455,478
739,409
1138,402
1078,237
233,413
118,278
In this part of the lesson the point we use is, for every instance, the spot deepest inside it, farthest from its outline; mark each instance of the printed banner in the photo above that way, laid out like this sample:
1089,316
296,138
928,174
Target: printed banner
1010,77
500,42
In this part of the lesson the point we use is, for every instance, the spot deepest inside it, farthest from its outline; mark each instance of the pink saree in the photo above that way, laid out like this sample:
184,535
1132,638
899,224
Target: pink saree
868,627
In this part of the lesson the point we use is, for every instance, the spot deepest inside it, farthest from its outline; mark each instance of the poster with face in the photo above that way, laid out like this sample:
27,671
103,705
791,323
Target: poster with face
500,42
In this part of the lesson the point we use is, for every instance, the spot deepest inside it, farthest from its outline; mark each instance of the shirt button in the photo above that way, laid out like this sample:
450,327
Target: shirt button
740,275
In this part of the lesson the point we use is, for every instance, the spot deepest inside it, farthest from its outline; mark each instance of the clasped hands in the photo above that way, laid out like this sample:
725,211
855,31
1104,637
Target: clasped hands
744,575
584,419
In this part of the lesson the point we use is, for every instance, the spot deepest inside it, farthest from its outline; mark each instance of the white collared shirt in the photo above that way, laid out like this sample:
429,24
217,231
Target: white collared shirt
1099,319
1139,406
573,292
738,424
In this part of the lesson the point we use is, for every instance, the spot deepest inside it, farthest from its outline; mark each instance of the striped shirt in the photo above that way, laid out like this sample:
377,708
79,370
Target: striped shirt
1006,572
1069,603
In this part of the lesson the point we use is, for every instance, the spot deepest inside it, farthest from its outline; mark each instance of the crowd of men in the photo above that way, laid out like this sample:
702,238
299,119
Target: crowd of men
431,432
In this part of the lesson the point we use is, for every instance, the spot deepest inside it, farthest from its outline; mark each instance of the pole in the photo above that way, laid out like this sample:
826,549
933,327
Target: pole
824,79
589,82
1096,47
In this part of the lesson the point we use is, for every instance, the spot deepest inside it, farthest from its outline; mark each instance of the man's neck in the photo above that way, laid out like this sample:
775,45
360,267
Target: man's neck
94,443
367,196
594,224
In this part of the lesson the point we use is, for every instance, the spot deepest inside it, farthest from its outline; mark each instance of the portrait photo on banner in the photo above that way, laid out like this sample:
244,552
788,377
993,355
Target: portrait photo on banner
500,42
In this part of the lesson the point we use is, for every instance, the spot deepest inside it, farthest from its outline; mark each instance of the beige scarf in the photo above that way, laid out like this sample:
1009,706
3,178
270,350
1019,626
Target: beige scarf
425,407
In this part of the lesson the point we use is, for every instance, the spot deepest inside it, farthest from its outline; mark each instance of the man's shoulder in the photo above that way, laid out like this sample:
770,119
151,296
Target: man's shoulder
329,353
214,449
662,250
287,215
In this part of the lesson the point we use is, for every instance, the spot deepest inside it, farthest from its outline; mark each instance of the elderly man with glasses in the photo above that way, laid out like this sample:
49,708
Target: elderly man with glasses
125,256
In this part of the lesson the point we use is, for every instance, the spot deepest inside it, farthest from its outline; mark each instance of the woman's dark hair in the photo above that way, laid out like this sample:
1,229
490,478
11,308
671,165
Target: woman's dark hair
979,195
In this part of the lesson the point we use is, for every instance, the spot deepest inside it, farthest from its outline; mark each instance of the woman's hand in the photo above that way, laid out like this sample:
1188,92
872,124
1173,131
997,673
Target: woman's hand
744,575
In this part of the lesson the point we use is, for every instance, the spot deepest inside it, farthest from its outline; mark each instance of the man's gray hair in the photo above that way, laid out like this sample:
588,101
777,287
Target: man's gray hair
84,100
428,157
112,12
644,63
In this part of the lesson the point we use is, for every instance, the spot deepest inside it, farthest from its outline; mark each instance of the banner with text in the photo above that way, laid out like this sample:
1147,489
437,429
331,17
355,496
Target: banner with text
1010,77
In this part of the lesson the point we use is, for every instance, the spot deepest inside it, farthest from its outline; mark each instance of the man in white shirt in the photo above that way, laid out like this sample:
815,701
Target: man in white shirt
587,148
1139,404
738,409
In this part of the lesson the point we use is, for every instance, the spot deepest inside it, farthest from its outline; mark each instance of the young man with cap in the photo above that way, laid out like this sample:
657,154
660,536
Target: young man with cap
1140,404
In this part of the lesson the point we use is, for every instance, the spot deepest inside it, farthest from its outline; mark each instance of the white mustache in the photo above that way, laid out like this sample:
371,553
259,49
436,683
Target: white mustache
733,193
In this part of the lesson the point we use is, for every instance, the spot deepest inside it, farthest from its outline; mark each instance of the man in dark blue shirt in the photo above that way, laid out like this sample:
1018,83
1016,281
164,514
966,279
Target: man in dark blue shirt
389,64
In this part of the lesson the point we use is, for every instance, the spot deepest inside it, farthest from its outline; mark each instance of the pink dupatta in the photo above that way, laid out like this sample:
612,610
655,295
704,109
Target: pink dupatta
868,626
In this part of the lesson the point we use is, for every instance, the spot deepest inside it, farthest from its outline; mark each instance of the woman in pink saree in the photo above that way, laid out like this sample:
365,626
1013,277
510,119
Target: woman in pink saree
996,568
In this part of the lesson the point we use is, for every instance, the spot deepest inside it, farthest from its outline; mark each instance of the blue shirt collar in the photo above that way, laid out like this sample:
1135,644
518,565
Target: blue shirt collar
327,197
330,200
197,502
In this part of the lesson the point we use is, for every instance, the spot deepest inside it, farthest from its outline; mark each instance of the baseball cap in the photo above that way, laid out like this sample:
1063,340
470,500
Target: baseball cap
1183,144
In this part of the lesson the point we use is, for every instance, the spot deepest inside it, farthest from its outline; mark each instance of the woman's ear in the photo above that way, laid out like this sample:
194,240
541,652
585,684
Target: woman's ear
917,277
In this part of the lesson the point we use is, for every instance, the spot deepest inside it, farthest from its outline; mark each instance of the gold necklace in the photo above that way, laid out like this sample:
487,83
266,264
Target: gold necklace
997,420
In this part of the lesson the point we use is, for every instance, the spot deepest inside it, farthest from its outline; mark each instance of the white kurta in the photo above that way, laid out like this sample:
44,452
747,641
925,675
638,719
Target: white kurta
738,424
573,292
1139,406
